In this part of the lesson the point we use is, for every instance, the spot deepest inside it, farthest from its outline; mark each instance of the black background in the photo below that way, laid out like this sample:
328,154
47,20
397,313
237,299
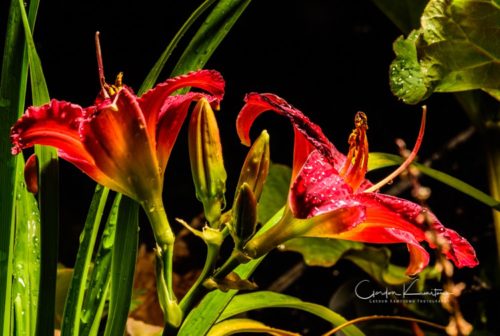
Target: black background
327,58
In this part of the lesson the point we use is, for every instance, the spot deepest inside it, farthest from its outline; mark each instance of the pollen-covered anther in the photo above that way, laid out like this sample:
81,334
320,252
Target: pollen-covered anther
356,163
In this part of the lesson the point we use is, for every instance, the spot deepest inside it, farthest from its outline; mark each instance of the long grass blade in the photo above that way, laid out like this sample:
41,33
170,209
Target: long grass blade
123,266
154,73
74,300
12,96
100,278
26,263
48,196
211,33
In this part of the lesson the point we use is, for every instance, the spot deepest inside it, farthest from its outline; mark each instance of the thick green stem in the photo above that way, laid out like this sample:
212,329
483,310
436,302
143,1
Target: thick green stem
197,290
165,241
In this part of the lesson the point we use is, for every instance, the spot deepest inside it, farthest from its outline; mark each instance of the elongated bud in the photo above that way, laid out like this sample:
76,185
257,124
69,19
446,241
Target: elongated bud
256,166
207,166
244,221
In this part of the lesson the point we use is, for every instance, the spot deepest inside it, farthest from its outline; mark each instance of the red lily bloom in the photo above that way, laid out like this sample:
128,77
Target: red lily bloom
330,197
123,141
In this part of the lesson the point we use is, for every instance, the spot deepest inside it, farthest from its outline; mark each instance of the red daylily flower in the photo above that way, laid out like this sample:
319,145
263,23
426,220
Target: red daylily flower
329,196
123,141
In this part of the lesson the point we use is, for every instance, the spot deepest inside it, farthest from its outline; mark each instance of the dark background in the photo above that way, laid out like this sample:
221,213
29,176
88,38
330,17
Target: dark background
327,58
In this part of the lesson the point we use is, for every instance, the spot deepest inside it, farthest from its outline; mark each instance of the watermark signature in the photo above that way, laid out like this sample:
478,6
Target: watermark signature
408,293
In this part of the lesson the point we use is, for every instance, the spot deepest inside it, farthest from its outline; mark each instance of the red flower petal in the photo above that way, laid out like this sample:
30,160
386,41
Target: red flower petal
152,102
368,233
115,135
31,174
392,212
318,188
54,124
174,112
311,133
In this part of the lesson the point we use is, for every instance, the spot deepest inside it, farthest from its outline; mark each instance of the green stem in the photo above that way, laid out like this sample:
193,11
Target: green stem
237,258
493,155
197,290
165,240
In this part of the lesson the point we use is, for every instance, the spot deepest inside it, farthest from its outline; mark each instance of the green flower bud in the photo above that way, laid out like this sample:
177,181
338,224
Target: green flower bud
244,216
207,166
256,166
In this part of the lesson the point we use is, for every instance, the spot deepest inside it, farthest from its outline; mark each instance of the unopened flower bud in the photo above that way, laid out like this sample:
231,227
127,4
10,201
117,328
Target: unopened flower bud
207,166
244,216
256,166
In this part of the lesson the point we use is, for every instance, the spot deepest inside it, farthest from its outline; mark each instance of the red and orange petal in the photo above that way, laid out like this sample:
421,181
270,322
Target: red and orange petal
116,137
318,188
170,120
54,124
152,102
383,211
368,233
311,133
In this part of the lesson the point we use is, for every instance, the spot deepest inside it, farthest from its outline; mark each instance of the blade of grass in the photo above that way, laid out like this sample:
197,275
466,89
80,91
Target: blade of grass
101,275
26,266
74,299
12,95
48,195
265,299
386,160
211,33
123,266
154,73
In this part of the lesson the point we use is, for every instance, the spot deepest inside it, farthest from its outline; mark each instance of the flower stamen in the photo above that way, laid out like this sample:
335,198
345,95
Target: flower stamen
408,160
356,164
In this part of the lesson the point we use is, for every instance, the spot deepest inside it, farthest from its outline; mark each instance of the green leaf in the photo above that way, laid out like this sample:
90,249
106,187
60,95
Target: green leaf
376,262
48,194
441,177
123,265
26,271
211,33
100,279
265,299
405,14
274,194
154,73
74,300
12,94
321,251
201,318
237,326
450,51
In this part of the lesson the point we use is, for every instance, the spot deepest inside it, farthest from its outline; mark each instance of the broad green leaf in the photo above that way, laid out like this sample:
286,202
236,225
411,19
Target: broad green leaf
321,251
405,14
201,318
455,49
376,262
26,267
265,299
274,194
64,276
154,73
238,326
74,300
440,176
211,33
100,279
123,265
